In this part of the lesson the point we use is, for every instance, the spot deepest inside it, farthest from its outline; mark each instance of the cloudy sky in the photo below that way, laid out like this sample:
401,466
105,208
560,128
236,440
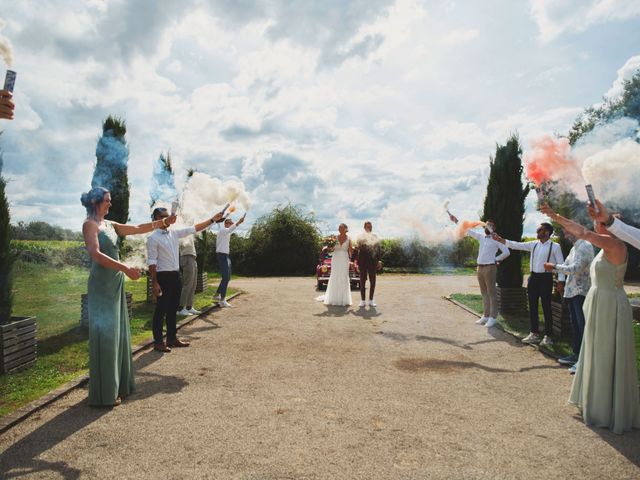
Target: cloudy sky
363,109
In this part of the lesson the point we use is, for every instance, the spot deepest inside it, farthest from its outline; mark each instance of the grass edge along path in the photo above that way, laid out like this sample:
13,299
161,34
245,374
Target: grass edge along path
21,413
472,303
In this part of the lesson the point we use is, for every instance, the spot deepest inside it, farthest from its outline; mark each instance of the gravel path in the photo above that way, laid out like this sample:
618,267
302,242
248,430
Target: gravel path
282,387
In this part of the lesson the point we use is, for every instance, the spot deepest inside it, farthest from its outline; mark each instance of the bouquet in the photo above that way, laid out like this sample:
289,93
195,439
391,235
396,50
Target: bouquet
330,242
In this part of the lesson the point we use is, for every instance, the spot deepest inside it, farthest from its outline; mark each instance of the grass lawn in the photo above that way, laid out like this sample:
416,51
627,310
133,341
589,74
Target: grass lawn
53,296
520,325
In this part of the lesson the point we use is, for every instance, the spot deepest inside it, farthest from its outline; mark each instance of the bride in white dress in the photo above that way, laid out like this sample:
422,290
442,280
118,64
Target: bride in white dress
339,287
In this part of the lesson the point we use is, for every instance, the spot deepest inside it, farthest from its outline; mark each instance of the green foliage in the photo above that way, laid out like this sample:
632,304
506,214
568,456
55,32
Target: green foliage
284,242
52,253
204,243
628,105
116,125
6,255
42,231
504,204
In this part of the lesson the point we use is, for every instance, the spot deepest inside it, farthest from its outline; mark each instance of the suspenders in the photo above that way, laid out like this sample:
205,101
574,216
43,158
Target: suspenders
534,251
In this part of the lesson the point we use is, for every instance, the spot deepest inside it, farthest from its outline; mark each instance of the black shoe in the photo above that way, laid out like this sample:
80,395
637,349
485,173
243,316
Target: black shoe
569,360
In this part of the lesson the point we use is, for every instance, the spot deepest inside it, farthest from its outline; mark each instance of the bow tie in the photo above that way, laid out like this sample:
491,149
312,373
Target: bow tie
165,232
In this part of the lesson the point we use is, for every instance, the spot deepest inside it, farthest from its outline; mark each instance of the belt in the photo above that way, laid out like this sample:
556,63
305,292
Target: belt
169,272
486,264
541,273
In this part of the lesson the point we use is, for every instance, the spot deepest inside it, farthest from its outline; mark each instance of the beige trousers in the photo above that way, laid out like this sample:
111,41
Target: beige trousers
189,270
487,281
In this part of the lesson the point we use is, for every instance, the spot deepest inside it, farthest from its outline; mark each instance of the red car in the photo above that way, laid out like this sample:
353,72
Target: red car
323,271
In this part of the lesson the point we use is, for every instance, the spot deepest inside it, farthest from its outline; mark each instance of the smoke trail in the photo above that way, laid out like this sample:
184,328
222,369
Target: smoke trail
465,225
6,51
113,153
203,194
550,159
163,186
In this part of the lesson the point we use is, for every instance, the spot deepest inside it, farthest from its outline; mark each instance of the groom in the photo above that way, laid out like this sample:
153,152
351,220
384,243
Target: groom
367,255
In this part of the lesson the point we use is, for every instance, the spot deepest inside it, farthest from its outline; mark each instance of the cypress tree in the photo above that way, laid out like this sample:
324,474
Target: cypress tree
504,204
6,256
112,157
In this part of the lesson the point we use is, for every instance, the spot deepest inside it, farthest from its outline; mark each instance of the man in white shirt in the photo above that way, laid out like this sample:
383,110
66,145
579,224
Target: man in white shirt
164,266
540,283
487,270
223,238
624,232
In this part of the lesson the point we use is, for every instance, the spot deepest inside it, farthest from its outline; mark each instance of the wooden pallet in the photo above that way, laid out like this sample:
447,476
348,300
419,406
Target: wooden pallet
561,320
84,308
151,298
512,301
18,344
202,283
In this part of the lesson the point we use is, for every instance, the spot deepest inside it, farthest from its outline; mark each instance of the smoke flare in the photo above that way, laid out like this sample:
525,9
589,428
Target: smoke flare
6,51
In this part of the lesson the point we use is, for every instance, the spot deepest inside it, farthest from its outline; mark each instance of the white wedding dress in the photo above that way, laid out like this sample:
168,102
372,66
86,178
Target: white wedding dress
339,287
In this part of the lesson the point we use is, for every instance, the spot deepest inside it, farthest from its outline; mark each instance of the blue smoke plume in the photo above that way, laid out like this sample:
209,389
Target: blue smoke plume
113,155
163,185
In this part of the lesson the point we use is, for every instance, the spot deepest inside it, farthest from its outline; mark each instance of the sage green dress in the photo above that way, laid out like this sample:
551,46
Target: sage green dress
605,387
110,363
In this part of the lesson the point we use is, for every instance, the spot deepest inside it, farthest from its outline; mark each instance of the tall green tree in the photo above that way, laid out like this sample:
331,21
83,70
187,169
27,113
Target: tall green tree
504,204
6,255
112,157
284,242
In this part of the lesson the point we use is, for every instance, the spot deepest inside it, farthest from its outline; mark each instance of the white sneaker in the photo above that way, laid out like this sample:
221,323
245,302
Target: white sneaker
573,368
491,322
193,311
224,303
531,338
546,342
184,312
372,303
362,304
217,297
482,320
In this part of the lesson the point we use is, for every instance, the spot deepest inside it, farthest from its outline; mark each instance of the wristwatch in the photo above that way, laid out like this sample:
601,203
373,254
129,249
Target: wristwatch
609,221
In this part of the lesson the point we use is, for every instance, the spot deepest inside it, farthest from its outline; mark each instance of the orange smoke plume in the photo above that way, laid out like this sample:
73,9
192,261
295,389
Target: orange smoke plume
465,225
550,159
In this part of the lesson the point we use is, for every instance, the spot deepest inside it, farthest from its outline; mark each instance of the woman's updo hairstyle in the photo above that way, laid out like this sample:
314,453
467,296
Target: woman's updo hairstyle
92,199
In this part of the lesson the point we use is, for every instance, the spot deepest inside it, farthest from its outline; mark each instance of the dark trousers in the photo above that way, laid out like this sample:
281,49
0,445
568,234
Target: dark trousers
370,270
577,322
167,305
540,286
224,264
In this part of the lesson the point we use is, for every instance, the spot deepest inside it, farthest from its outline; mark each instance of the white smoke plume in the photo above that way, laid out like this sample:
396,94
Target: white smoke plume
6,51
610,160
204,195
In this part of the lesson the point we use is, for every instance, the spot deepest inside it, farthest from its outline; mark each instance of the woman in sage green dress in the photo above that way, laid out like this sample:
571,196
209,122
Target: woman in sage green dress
110,365
605,387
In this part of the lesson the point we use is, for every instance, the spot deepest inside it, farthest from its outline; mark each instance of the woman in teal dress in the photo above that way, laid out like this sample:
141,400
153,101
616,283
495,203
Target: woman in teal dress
605,387
110,365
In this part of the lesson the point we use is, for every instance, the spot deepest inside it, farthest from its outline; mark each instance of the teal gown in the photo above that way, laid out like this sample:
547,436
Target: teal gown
110,363
605,387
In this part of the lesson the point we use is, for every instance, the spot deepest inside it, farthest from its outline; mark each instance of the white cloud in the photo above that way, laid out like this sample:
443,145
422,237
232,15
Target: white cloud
460,36
556,17
628,70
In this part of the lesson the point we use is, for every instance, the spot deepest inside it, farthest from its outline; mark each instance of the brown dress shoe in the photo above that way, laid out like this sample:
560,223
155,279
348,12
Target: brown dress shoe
177,343
161,347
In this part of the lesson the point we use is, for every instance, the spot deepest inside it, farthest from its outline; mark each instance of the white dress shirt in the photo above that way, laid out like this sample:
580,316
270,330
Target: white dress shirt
541,254
222,239
488,248
625,232
163,248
